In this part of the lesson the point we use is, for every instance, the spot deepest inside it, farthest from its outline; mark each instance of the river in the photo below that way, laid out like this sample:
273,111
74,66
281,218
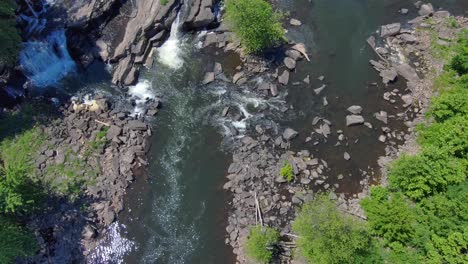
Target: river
177,212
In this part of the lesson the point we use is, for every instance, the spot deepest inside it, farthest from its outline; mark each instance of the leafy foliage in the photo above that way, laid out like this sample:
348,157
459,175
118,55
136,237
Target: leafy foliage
287,172
328,236
10,39
260,243
256,24
15,241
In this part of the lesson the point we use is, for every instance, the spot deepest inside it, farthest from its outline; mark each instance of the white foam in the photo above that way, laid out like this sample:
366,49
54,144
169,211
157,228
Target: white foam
141,92
113,246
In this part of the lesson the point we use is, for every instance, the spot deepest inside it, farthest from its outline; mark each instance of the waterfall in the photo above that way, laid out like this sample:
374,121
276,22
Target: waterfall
170,52
47,62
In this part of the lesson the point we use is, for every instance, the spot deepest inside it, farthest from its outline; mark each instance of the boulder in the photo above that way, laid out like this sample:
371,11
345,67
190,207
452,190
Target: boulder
407,72
352,120
293,54
208,78
284,77
200,14
426,10
289,133
237,76
273,89
114,131
404,11
295,22
136,125
355,109
390,30
289,63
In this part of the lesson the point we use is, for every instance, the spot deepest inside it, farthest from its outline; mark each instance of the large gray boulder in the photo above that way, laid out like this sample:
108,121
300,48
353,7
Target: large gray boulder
390,30
200,15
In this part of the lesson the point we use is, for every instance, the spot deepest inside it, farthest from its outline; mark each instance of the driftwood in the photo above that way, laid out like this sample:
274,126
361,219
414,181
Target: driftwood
258,210
102,123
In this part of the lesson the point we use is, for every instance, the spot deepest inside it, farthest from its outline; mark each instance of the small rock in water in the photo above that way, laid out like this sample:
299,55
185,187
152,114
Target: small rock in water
346,156
404,11
289,133
355,109
325,102
218,68
382,138
381,116
321,78
320,89
295,22
390,30
306,79
225,111
352,120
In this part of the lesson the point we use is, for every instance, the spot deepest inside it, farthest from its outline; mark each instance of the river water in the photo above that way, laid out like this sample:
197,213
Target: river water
177,213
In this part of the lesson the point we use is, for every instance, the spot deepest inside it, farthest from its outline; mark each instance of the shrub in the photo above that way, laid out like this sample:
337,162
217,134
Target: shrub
10,39
328,236
287,172
389,217
256,24
260,243
427,173
15,242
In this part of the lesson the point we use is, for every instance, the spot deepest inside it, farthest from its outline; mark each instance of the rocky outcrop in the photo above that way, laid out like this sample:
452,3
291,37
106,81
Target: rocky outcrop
201,14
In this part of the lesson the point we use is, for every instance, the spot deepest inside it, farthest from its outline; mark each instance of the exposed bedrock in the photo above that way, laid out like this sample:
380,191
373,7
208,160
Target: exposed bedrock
201,14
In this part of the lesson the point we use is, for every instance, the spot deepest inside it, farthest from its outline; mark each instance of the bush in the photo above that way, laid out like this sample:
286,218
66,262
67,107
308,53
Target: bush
256,24
328,236
260,243
19,192
287,172
459,63
427,173
10,39
15,242
389,217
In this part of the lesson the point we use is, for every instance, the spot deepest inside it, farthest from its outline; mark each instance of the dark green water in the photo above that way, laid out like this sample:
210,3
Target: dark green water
177,214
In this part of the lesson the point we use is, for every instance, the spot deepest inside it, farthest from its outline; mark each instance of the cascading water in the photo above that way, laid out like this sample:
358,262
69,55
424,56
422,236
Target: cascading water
47,62
44,59
169,53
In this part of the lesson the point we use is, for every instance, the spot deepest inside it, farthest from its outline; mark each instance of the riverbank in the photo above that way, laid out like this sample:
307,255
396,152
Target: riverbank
261,196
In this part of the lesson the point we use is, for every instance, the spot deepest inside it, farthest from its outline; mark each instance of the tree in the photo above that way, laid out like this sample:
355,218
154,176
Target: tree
328,236
256,24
